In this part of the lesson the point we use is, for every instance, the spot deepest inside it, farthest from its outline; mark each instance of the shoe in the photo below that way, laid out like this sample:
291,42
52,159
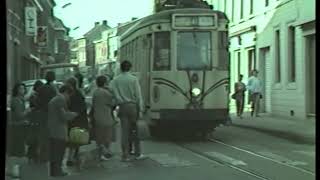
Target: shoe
60,174
126,159
104,158
108,155
140,157
70,163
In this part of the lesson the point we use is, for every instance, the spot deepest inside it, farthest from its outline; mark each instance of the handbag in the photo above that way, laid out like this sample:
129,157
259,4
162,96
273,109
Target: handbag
79,136
233,96
143,128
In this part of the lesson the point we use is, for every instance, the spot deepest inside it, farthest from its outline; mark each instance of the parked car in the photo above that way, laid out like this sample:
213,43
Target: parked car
29,85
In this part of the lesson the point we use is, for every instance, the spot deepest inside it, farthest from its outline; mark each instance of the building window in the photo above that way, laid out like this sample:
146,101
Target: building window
291,55
232,11
277,57
251,7
241,9
266,3
252,63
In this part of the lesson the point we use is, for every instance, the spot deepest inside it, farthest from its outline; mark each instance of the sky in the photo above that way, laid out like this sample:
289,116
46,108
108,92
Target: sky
84,13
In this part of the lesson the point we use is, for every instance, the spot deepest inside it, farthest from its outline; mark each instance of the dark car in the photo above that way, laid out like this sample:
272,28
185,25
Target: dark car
29,84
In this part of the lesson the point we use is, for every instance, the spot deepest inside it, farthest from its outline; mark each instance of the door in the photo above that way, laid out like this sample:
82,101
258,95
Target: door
310,75
265,75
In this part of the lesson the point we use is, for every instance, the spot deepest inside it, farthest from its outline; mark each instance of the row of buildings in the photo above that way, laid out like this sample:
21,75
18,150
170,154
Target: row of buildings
35,37
97,48
277,37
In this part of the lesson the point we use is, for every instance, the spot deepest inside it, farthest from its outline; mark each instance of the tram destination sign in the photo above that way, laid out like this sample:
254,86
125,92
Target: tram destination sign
199,21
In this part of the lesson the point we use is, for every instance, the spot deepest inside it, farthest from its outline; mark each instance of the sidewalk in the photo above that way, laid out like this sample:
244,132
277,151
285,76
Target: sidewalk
298,131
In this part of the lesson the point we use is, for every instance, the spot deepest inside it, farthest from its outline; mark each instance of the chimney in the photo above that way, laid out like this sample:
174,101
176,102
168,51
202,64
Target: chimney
105,22
96,23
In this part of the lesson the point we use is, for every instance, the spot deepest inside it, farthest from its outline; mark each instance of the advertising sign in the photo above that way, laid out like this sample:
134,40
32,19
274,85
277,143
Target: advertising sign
31,21
42,36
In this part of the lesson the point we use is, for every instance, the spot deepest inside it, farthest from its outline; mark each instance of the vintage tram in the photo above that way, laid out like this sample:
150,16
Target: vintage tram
182,61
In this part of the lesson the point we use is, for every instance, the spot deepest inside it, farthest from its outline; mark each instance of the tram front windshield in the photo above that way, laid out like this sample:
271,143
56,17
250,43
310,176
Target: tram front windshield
194,50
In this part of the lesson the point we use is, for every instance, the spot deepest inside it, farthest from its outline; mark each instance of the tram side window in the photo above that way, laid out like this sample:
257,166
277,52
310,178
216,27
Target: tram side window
161,60
223,50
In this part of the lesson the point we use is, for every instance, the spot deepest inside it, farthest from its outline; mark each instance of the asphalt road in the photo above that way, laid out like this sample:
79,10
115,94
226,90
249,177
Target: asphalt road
232,153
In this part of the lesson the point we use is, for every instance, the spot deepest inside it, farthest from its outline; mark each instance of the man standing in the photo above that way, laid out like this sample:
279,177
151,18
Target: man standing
128,96
239,89
255,88
58,118
45,94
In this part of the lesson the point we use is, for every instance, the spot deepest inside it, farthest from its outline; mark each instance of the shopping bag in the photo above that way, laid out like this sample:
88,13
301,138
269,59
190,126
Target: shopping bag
143,128
79,136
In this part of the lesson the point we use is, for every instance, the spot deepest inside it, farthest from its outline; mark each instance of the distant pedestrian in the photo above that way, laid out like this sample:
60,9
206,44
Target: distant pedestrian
58,128
76,104
128,95
17,129
46,93
239,90
34,128
103,105
80,78
255,92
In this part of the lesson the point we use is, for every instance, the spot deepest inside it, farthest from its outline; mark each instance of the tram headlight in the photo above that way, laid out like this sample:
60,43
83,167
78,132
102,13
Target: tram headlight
196,92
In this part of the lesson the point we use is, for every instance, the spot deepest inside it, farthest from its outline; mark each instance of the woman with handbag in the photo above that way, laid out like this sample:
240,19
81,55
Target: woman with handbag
239,89
76,104
17,130
103,105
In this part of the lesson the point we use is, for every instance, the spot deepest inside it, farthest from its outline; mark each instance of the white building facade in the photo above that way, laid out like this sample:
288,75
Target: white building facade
276,37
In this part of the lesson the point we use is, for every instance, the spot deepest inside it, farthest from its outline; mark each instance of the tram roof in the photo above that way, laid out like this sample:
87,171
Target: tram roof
167,14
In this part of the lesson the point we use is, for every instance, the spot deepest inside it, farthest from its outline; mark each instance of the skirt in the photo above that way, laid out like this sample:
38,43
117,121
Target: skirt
16,139
103,134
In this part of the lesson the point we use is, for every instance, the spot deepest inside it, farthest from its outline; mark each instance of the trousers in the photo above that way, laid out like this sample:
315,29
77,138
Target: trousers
128,114
57,149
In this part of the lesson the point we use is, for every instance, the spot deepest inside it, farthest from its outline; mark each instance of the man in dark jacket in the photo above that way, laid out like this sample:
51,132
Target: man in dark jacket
45,94
58,128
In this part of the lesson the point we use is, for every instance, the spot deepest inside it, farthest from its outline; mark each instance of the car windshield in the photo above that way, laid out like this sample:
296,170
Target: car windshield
194,50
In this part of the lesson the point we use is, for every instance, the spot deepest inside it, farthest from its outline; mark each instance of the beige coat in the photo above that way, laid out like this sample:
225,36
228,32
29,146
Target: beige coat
102,103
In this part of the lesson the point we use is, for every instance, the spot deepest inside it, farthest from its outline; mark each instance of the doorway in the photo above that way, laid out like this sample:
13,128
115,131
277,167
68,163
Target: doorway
266,76
310,75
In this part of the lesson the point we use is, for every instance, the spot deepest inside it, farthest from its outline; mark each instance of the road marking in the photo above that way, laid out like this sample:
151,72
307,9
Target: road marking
282,159
167,160
227,159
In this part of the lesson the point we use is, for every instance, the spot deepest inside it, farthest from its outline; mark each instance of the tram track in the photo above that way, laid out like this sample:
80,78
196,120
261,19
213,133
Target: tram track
253,171
262,156
215,160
